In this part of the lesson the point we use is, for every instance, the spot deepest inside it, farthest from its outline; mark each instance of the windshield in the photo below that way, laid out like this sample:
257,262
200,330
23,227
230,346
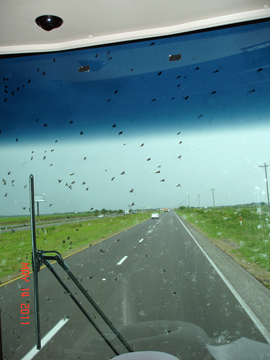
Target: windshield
150,163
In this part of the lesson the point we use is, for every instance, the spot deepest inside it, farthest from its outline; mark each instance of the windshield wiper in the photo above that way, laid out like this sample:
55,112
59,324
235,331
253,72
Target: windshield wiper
39,257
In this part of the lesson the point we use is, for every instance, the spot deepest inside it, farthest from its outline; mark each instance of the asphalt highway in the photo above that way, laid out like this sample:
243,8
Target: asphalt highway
164,286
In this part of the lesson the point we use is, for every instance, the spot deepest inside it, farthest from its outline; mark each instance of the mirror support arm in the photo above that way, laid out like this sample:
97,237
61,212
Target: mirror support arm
51,268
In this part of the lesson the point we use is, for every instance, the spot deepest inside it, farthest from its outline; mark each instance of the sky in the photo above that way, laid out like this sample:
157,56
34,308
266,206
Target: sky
138,128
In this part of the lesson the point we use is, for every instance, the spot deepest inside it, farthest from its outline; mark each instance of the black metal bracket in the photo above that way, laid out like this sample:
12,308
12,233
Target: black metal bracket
39,257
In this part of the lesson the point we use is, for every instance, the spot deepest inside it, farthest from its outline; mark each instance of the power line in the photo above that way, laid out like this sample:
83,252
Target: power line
241,177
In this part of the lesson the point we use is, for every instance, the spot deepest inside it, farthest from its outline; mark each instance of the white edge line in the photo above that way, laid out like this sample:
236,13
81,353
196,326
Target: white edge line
141,240
46,339
122,260
250,313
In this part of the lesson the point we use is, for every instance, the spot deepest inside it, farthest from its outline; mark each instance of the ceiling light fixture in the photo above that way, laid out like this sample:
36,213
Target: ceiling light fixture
49,22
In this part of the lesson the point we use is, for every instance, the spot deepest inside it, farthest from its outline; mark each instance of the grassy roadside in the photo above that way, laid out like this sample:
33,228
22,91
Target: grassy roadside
248,244
66,238
5,221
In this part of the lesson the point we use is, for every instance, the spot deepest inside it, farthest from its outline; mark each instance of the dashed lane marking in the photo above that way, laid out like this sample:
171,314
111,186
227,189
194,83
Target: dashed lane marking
122,260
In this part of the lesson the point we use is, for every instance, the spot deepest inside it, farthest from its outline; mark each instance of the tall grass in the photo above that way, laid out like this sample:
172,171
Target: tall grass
252,238
67,238
11,220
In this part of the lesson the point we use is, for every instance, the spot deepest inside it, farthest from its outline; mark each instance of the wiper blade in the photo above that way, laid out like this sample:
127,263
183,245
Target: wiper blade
39,257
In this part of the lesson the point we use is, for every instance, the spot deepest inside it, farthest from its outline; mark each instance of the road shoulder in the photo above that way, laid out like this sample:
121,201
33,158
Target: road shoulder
252,291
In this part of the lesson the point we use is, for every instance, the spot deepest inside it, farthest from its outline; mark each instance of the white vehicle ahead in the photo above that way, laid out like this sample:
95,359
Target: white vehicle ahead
155,215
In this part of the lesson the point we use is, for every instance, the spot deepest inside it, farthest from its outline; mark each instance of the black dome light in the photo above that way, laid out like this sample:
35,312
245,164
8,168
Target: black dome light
49,22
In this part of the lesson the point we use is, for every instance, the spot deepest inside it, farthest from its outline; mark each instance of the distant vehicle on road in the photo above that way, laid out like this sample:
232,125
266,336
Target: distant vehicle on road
155,215
165,209
126,212
101,216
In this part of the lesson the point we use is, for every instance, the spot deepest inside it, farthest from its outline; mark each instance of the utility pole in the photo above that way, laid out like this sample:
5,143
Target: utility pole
266,180
213,197
199,200
188,202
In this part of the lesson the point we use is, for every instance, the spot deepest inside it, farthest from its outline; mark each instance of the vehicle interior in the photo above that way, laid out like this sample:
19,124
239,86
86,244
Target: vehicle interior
118,119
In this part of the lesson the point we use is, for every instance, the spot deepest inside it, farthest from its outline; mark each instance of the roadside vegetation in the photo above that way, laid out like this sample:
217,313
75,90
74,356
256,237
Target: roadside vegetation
67,238
25,220
243,232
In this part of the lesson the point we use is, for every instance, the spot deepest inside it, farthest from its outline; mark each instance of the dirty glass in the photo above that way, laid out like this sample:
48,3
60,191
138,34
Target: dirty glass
176,126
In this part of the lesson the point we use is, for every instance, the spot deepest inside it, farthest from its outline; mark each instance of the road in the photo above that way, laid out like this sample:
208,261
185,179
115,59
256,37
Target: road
162,284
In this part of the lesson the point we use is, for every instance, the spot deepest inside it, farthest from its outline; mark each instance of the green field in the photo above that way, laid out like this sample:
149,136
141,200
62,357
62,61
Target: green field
249,243
10,220
66,238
